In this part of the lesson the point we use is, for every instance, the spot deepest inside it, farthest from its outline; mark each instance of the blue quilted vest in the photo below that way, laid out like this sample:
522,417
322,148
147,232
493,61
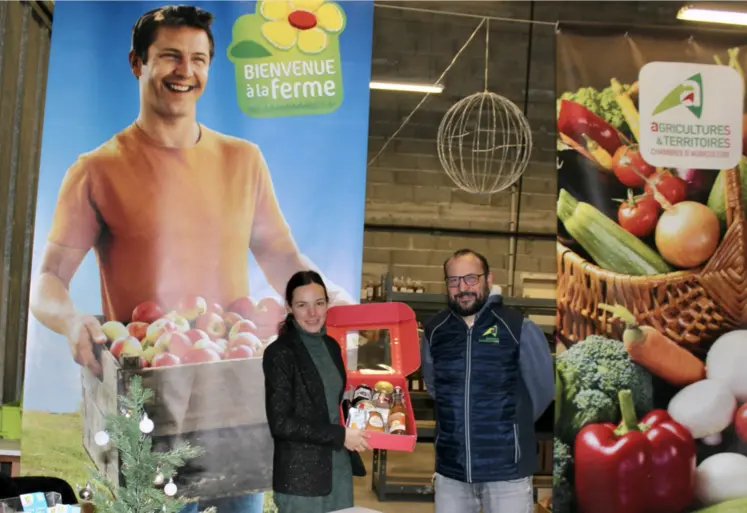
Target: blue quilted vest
485,425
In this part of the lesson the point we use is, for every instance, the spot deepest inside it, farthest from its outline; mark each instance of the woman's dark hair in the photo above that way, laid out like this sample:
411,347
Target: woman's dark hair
300,279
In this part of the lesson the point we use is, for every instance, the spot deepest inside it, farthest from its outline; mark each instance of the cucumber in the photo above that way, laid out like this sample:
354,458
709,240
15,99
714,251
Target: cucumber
717,196
731,506
612,247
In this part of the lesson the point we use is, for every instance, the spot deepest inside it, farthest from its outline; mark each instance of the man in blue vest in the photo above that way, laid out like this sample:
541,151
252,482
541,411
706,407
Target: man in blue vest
490,373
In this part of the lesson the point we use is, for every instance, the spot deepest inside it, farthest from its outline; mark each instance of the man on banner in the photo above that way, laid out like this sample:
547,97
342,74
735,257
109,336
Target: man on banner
490,373
170,207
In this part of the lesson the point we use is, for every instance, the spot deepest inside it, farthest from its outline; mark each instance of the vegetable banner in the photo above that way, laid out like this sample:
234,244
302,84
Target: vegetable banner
651,400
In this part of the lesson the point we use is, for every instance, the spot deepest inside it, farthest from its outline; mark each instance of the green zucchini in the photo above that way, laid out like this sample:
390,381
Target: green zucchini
717,196
731,506
611,246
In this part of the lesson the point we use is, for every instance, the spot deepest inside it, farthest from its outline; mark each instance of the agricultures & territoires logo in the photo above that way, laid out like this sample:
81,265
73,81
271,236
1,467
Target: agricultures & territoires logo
690,115
688,94
286,58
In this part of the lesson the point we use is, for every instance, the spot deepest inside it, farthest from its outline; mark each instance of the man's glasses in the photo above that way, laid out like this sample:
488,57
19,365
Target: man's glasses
469,279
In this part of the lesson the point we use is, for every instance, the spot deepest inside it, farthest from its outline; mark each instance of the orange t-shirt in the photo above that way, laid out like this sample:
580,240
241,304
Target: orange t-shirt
170,222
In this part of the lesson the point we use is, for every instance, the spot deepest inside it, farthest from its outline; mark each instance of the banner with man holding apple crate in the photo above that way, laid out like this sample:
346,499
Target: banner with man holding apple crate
193,158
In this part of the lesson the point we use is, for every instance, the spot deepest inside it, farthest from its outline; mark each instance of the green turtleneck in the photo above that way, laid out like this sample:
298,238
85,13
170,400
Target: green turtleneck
314,344
341,496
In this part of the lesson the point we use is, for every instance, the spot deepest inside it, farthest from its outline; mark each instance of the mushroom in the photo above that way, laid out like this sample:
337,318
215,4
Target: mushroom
706,408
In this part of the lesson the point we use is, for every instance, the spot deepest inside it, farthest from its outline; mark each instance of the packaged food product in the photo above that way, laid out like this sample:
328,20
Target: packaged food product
365,405
357,418
375,422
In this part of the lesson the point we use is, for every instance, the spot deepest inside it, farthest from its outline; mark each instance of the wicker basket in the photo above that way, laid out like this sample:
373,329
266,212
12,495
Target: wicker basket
691,307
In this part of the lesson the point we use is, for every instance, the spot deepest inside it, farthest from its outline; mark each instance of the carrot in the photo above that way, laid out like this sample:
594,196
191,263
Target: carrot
656,352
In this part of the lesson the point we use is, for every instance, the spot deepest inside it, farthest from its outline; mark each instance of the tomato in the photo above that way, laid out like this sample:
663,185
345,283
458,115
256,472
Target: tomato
628,166
740,423
639,215
672,187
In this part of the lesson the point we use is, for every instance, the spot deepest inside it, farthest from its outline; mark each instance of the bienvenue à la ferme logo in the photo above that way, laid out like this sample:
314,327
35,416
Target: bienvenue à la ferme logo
286,57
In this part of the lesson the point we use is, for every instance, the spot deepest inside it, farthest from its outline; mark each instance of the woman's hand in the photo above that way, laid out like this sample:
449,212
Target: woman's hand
355,440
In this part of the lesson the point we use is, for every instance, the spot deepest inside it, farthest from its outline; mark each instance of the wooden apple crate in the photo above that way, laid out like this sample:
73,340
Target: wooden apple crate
219,406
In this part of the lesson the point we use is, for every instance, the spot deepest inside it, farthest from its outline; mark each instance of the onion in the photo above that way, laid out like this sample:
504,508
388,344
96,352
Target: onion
687,234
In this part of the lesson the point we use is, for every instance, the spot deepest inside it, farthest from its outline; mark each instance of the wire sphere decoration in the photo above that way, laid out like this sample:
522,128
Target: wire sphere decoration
484,143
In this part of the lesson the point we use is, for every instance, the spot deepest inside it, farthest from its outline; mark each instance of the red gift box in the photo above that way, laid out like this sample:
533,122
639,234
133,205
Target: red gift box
404,347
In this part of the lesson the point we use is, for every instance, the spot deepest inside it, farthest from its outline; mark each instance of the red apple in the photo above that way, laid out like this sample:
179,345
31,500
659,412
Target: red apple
194,335
215,308
212,324
245,339
269,312
173,342
238,352
191,307
165,360
222,344
182,324
243,326
158,328
209,344
138,329
148,312
244,306
201,355
129,346
231,318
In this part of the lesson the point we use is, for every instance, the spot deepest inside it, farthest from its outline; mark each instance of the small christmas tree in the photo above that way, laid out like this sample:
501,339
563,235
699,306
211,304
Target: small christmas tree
144,471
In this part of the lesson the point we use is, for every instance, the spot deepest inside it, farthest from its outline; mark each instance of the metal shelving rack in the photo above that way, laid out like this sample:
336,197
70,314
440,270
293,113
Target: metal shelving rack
426,306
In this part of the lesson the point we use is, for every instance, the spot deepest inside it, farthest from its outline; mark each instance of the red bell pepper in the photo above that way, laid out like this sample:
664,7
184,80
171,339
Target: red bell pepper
635,468
575,121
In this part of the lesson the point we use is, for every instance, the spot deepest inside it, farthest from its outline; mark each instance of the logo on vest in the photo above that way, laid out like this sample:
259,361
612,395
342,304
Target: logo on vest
491,335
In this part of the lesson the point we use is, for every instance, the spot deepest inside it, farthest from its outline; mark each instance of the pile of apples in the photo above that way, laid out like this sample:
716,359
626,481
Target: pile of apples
195,331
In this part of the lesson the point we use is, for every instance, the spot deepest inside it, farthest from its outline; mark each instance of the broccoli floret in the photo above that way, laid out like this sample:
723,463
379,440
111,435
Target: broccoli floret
589,376
602,103
562,478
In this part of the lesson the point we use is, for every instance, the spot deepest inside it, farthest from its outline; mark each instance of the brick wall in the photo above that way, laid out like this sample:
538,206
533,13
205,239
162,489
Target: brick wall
407,190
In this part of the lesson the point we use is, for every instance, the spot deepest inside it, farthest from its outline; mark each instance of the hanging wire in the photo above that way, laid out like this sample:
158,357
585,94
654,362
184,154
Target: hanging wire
466,15
487,45
427,95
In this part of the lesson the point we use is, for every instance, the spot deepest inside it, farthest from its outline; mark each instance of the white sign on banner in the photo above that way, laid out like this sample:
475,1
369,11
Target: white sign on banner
690,115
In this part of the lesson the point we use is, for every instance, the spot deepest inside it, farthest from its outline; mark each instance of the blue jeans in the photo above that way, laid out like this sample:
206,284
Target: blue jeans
252,503
514,496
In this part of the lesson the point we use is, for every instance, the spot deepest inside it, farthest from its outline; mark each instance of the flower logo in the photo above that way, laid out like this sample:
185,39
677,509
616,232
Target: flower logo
301,23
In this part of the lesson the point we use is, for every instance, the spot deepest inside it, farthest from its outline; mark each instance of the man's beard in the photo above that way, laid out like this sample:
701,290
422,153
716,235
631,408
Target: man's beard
476,306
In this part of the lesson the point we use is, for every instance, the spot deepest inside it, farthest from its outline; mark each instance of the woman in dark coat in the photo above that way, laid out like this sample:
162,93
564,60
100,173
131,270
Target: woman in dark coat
315,455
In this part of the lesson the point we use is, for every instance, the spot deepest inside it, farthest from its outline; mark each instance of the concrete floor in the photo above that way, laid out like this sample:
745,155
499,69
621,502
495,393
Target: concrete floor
417,465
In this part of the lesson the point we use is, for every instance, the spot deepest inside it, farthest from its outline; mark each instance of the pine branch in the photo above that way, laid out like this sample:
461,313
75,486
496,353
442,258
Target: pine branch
139,464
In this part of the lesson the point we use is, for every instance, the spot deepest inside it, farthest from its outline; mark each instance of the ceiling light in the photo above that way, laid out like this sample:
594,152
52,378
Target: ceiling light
407,87
712,15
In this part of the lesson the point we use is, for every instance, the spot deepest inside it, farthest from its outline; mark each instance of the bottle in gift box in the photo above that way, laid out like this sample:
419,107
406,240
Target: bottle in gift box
397,424
398,404
382,397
